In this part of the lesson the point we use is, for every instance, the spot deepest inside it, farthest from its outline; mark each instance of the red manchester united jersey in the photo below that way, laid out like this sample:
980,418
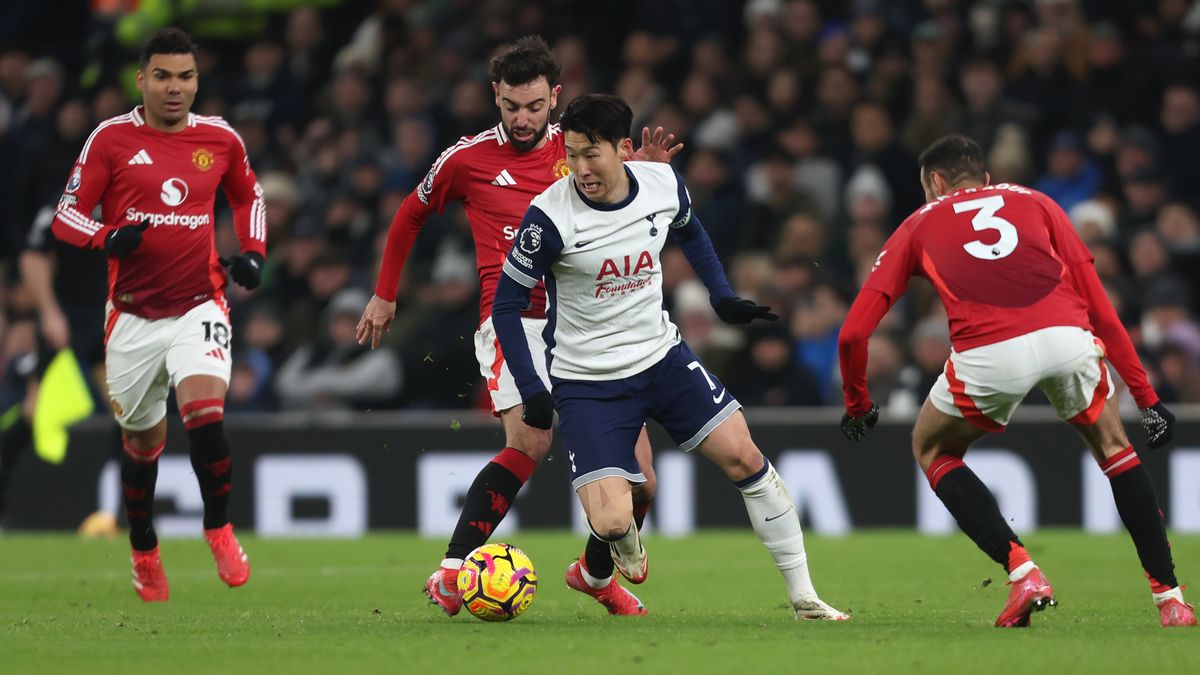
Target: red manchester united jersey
998,256
495,182
139,174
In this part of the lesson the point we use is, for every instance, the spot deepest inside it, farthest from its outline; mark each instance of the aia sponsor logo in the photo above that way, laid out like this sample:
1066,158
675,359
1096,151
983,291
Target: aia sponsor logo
624,275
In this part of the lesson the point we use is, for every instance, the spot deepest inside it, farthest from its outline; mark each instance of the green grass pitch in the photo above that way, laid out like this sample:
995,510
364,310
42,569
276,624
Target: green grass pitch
717,605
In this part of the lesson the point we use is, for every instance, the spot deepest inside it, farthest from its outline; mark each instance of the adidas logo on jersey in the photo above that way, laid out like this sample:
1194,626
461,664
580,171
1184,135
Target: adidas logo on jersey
503,179
217,354
142,157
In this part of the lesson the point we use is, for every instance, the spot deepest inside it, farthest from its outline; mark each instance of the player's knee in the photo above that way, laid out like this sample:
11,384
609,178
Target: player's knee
533,443
611,523
746,461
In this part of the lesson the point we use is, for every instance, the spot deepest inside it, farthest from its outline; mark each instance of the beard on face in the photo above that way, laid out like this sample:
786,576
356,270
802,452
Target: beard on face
525,146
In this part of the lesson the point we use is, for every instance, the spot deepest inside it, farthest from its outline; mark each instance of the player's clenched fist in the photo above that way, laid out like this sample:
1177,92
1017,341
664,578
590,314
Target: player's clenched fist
856,427
539,411
121,241
1159,424
245,269
740,310
376,320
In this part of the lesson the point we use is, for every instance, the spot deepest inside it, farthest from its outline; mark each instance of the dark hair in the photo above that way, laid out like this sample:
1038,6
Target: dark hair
955,157
524,61
167,41
600,117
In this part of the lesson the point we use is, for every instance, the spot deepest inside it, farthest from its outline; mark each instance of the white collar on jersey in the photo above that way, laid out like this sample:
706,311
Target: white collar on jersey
139,120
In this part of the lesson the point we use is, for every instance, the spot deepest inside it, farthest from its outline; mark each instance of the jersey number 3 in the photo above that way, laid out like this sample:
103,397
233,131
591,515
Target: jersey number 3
986,219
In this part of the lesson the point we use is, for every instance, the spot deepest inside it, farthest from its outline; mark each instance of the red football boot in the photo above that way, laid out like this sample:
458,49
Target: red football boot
616,598
1175,612
1031,593
232,564
442,590
149,580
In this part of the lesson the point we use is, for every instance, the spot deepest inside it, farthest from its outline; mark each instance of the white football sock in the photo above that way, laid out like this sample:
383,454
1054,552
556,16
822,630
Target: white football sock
594,582
452,563
1160,598
775,521
1021,570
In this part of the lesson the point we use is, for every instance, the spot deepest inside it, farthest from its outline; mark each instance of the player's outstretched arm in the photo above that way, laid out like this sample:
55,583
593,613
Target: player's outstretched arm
659,147
865,313
698,249
376,320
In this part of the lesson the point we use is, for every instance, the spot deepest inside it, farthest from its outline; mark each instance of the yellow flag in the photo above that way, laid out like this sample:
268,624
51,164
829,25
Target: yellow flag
63,399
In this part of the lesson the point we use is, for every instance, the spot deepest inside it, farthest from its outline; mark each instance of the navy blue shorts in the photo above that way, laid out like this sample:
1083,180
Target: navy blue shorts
599,421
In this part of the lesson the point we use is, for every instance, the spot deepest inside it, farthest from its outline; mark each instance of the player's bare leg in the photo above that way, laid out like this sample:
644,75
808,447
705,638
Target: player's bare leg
643,493
487,502
939,443
201,401
139,472
608,504
772,512
1138,506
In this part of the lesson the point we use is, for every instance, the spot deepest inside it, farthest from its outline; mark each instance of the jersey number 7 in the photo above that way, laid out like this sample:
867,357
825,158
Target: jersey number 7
986,219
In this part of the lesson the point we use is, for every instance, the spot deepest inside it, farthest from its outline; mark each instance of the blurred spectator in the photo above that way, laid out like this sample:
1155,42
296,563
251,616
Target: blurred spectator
1070,176
336,372
875,145
986,108
1094,221
1180,121
767,372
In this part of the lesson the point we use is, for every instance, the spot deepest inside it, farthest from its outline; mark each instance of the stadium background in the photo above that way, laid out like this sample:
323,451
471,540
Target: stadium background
802,120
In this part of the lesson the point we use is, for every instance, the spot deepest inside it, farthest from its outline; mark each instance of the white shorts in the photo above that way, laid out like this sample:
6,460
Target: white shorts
985,385
144,358
494,368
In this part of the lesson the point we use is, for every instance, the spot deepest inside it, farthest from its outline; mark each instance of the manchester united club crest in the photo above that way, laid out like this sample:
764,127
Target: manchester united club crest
561,170
202,159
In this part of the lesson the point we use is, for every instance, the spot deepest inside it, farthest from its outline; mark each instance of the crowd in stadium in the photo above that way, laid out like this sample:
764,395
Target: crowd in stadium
802,121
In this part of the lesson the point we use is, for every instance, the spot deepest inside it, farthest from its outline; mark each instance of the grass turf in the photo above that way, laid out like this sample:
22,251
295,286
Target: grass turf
717,605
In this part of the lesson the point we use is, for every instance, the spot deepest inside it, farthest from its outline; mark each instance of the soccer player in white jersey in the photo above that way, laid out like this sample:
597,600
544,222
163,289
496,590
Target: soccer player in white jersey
614,356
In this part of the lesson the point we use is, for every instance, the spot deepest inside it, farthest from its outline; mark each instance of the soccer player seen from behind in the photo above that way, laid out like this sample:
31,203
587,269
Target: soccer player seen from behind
1026,309
154,172
614,356
495,174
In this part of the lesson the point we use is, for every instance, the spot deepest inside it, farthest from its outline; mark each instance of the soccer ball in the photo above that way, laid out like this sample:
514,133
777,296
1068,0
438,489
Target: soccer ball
497,582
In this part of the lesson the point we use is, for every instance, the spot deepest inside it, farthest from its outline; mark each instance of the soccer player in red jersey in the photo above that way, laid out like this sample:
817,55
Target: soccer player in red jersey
154,173
495,174
1026,309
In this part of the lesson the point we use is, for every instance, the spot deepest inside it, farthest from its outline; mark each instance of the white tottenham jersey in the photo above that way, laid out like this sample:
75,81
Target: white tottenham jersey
605,307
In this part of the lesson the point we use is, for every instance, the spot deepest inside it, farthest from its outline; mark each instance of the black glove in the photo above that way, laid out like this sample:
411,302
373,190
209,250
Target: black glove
1159,424
539,411
739,310
246,269
121,241
856,427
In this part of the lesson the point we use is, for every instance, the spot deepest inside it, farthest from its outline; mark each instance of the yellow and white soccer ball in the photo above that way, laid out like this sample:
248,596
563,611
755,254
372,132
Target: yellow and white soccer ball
497,582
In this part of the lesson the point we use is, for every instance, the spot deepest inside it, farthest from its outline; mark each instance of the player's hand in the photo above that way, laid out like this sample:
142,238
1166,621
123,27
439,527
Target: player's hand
539,411
376,320
121,241
246,269
661,147
55,328
855,428
1159,424
739,310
